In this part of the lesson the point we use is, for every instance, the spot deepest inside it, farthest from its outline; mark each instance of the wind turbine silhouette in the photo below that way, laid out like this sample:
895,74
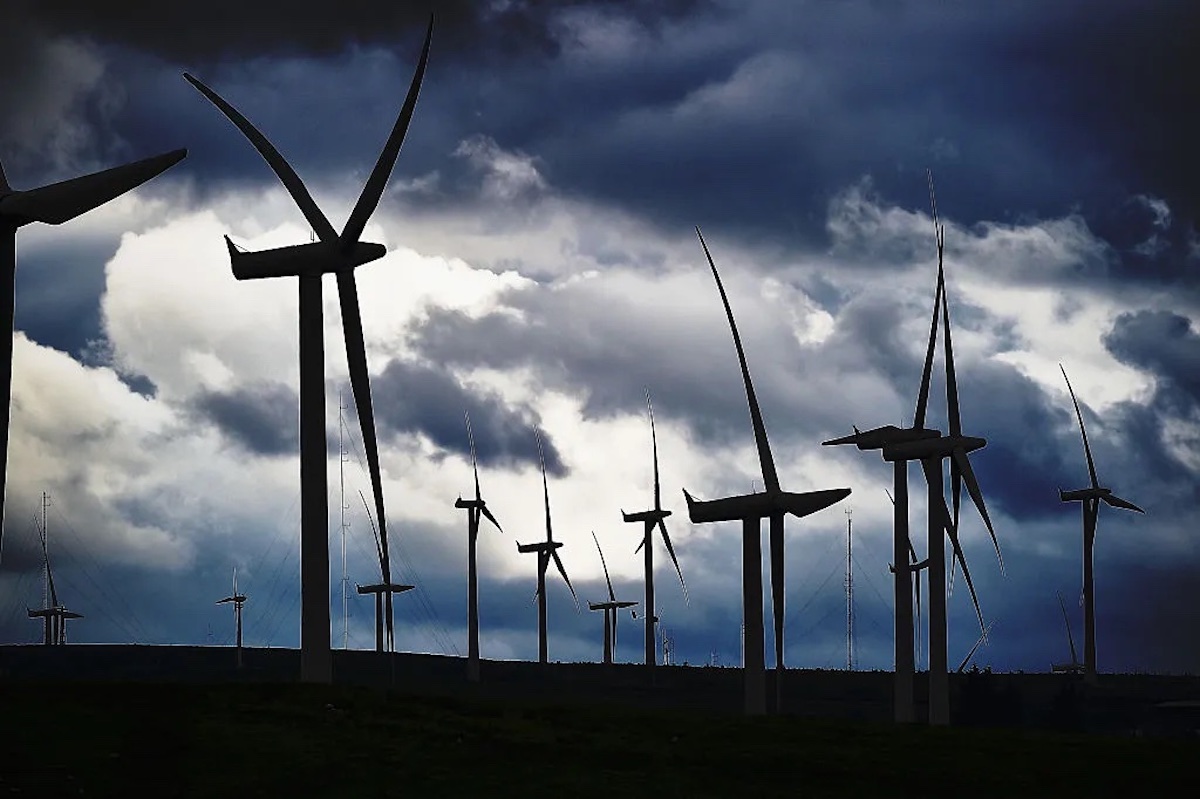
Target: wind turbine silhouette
1090,498
475,509
380,590
892,442
931,452
52,205
610,609
651,519
54,616
339,254
1074,667
546,551
238,600
751,509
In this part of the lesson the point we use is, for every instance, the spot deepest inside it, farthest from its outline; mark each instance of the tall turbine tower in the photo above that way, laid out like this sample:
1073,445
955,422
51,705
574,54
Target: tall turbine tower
339,254
546,551
610,609
52,205
475,509
238,601
650,519
1090,498
751,509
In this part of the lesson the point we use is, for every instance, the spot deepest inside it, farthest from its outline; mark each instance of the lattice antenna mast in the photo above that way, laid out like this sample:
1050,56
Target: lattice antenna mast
849,593
45,552
344,456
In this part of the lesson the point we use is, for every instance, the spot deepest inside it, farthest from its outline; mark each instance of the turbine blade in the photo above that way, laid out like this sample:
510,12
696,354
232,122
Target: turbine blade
374,530
912,550
939,507
562,570
654,444
1116,502
474,463
283,170
65,200
373,190
360,386
545,485
1087,450
770,478
1067,621
639,546
953,417
927,371
487,513
889,493
968,473
971,654
671,551
612,597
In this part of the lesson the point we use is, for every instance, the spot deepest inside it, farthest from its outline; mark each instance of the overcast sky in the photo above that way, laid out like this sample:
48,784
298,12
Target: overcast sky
543,270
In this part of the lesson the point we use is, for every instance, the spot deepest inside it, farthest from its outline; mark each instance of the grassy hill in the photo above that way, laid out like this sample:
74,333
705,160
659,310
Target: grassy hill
127,739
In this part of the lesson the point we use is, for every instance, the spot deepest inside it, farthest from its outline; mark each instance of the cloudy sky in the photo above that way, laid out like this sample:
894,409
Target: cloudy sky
543,271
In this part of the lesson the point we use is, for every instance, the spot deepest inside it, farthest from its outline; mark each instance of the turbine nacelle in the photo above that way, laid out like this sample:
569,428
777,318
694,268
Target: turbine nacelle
541,546
941,447
762,506
610,605
651,516
1083,494
300,260
880,437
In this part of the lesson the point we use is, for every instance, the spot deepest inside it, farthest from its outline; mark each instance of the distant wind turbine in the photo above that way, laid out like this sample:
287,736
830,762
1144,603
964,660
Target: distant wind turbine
610,609
651,519
1090,498
1074,667
340,254
238,601
546,551
475,509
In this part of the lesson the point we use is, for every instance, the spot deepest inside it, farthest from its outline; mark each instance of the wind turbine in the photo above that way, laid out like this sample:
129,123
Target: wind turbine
546,551
238,600
982,638
651,519
1074,667
54,616
900,445
475,509
380,590
1090,498
751,509
610,609
339,254
52,205
931,452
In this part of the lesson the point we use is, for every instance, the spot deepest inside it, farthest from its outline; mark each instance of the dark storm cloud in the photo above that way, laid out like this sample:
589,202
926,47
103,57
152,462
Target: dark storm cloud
1166,344
262,418
414,398
233,29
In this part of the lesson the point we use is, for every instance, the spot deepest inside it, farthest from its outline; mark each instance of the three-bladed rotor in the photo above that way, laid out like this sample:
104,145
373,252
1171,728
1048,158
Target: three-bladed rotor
335,253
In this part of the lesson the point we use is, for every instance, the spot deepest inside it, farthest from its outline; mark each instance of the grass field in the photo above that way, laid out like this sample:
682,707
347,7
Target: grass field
237,740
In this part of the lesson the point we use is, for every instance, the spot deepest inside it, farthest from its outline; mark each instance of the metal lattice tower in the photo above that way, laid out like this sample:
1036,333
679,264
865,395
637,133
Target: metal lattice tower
850,655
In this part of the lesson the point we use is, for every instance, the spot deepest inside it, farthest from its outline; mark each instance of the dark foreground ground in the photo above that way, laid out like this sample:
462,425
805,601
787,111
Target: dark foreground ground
286,739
